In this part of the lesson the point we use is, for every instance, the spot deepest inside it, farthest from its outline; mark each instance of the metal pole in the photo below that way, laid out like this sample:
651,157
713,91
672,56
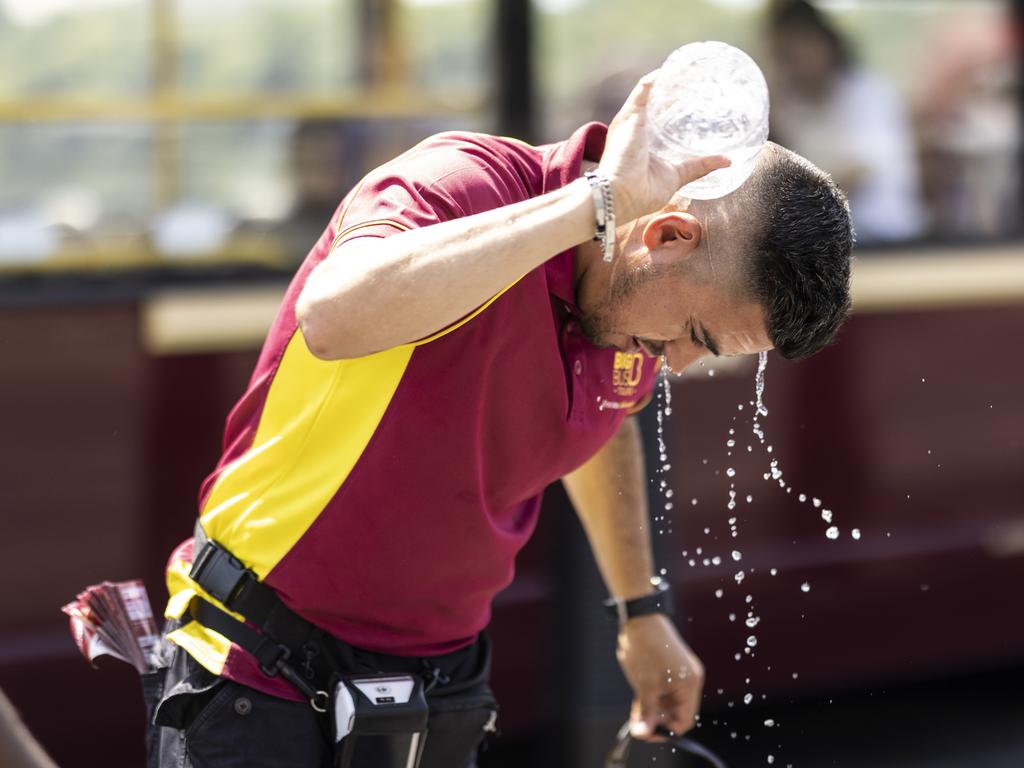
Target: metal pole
513,36
381,61
164,84
1018,36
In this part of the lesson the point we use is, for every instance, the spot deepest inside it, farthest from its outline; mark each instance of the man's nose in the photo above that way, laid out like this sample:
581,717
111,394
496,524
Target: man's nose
678,357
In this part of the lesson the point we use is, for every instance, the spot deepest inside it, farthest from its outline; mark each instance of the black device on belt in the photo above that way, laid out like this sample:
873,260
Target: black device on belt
377,719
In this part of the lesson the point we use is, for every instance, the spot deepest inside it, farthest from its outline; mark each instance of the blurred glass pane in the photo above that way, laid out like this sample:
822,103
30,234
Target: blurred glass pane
255,46
445,45
270,188
67,187
74,47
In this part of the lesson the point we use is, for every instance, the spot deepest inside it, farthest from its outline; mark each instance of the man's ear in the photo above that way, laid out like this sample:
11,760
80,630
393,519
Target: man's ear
674,229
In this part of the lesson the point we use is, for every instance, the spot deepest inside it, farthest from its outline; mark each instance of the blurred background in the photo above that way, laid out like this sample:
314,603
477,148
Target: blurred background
166,164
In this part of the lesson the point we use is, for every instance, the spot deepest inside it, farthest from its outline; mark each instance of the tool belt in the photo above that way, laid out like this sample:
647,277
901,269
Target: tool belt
376,704
284,643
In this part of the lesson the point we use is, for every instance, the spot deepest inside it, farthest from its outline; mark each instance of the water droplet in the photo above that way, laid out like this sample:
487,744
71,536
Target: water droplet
805,587
730,472
732,617
750,498
707,531
740,575
769,723
748,698
711,372
855,533
774,571
832,533
693,502
736,555
730,443
732,521
719,592
802,497
826,515
716,560
753,621
796,675
771,759
816,503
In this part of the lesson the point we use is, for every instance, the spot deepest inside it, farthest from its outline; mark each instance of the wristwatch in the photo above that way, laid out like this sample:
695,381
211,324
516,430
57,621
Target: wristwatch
658,601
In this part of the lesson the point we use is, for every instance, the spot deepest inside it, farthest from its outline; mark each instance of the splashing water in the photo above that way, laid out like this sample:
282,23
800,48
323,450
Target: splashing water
762,364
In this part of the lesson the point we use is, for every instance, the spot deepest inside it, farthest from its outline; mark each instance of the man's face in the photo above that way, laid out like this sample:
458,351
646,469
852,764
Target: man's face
672,300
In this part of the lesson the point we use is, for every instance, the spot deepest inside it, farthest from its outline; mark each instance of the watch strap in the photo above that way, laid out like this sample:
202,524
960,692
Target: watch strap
658,601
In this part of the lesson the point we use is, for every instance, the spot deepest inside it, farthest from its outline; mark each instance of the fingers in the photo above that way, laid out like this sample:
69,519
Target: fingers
699,167
672,714
680,711
643,720
641,91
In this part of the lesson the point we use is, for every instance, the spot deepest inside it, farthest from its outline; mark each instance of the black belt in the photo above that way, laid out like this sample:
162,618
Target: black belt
282,634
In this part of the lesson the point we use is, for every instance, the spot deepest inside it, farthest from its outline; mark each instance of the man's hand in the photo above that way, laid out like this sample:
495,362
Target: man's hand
667,678
643,183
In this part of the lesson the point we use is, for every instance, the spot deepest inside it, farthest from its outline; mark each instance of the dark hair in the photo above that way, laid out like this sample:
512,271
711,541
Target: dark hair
802,15
800,254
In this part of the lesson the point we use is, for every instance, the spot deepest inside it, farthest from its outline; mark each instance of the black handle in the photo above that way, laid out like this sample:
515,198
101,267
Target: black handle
619,753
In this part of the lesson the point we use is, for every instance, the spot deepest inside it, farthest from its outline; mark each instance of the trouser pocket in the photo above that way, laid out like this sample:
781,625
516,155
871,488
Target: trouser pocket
205,721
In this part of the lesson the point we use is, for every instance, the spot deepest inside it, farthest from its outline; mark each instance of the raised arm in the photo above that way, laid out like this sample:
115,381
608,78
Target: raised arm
372,294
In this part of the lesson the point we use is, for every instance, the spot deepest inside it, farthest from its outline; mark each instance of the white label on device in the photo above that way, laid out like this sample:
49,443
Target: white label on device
386,690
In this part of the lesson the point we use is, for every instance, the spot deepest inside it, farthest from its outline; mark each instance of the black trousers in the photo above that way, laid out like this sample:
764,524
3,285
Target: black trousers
199,720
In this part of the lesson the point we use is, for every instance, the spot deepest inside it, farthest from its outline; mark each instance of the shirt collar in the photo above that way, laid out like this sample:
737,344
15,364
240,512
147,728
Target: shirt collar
562,167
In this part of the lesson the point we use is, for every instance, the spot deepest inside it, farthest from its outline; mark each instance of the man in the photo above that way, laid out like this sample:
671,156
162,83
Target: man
454,343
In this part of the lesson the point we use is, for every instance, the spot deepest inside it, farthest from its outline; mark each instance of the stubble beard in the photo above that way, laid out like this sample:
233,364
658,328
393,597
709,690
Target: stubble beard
604,321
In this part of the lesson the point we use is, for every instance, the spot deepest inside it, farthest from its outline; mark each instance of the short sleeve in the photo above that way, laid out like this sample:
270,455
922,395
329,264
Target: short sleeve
445,177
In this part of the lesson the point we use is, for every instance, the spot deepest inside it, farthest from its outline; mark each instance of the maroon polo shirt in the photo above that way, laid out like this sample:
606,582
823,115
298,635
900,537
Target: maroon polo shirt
385,498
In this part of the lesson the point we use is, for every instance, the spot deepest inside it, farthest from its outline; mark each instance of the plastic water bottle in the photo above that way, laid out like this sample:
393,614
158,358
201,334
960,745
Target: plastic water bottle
709,98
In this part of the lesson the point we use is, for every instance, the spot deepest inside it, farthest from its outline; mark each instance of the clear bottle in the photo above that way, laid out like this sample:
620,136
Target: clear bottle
709,98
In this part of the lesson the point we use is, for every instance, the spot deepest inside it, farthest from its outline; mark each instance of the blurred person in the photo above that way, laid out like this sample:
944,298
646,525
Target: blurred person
970,126
844,119
325,159
18,748
455,342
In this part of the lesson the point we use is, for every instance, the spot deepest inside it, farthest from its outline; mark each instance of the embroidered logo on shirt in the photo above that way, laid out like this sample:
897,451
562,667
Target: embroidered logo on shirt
627,370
